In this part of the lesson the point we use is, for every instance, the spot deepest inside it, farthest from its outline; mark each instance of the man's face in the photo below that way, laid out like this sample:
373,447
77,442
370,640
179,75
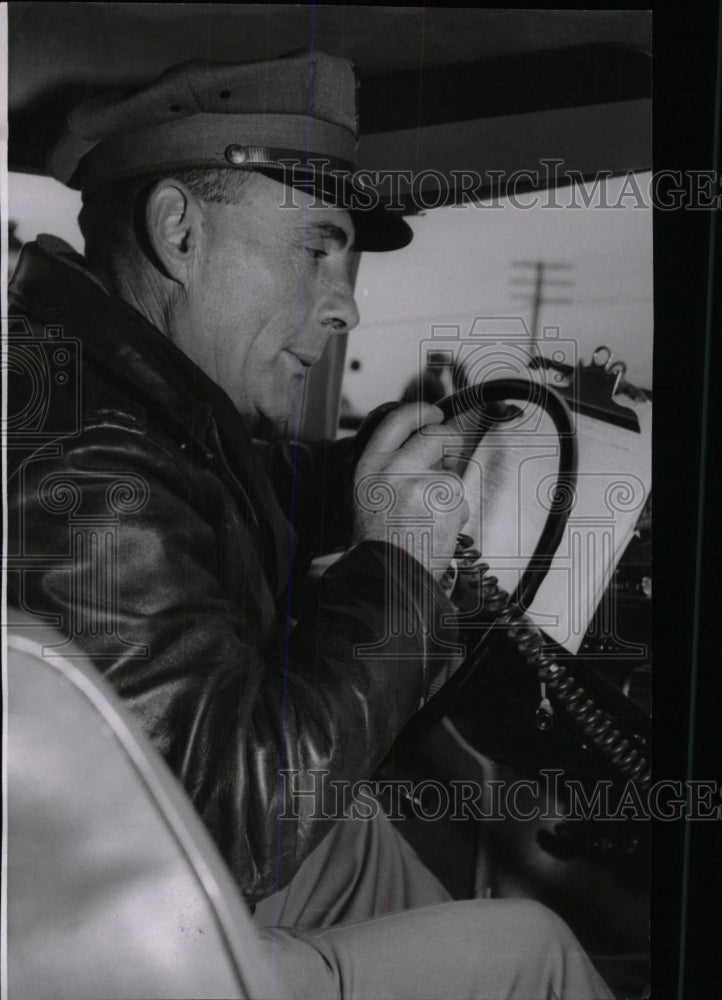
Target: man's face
271,286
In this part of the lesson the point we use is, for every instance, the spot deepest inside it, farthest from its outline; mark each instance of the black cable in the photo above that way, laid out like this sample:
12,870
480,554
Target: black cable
506,616
627,756
479,397
536,394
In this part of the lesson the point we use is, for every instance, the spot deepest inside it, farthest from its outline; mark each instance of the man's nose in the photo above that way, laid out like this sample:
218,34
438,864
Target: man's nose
339,312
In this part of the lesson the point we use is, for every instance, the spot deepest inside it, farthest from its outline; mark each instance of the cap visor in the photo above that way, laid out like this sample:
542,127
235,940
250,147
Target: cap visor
377,228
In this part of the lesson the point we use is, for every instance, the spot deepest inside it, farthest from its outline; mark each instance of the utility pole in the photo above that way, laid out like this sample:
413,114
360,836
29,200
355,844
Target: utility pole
540,281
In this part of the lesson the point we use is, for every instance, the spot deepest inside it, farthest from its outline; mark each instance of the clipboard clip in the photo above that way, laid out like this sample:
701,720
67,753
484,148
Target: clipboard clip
590,388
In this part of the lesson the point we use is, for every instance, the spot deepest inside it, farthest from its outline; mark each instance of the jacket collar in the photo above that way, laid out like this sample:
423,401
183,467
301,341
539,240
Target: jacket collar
52,277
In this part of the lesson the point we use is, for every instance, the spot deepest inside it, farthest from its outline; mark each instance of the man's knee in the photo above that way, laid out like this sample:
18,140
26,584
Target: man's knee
547,952
531,937
539,927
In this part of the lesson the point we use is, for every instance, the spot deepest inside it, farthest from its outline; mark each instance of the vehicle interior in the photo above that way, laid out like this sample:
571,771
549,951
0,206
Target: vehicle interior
518,264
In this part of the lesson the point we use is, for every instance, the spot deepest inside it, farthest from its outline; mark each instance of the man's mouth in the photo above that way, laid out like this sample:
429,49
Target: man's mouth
306,360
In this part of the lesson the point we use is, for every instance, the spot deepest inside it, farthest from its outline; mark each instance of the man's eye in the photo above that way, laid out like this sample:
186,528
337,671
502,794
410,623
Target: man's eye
316,253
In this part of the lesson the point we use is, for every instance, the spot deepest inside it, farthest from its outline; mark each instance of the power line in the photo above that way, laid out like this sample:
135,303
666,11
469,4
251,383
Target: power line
540,282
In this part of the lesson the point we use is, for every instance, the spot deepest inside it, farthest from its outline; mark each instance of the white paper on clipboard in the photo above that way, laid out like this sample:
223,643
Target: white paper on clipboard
509,486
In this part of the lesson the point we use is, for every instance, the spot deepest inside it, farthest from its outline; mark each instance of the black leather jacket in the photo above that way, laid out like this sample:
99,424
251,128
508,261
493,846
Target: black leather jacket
147,525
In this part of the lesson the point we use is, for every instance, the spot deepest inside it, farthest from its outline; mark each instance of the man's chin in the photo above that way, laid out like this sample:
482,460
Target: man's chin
275,424
281,413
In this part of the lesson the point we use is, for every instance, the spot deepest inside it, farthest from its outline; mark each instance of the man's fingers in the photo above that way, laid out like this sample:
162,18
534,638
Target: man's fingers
413,438
400,424
424,450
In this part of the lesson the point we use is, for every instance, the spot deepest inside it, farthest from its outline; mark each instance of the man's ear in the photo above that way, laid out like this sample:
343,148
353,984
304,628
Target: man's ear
173,219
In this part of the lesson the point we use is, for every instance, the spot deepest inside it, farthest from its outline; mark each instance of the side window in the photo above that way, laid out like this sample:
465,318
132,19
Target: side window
38,204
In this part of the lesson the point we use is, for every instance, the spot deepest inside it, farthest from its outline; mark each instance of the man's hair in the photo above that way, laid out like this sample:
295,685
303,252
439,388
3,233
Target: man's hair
112,219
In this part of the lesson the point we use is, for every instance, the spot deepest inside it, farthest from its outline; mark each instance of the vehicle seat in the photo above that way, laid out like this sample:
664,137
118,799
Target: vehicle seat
114,887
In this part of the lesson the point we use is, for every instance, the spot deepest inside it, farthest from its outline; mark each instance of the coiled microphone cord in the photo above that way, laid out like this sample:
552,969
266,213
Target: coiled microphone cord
558,688
499,614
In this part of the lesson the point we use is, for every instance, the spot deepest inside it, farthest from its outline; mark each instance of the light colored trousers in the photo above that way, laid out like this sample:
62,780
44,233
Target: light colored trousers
364,919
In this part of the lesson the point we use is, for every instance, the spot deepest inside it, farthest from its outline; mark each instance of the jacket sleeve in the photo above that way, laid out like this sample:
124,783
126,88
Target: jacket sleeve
314,485
122,543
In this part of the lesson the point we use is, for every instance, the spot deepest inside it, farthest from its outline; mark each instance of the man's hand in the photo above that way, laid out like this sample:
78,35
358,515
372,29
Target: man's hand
403,494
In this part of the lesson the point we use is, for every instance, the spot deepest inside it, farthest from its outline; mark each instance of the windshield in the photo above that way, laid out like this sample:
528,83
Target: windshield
569,267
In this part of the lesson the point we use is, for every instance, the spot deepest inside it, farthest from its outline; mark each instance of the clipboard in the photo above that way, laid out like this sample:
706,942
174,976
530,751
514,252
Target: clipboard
511,478
590,389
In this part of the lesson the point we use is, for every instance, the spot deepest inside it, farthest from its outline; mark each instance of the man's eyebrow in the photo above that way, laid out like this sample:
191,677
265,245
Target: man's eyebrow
326,229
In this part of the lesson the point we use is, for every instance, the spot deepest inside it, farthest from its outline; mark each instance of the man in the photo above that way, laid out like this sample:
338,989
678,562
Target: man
169,543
